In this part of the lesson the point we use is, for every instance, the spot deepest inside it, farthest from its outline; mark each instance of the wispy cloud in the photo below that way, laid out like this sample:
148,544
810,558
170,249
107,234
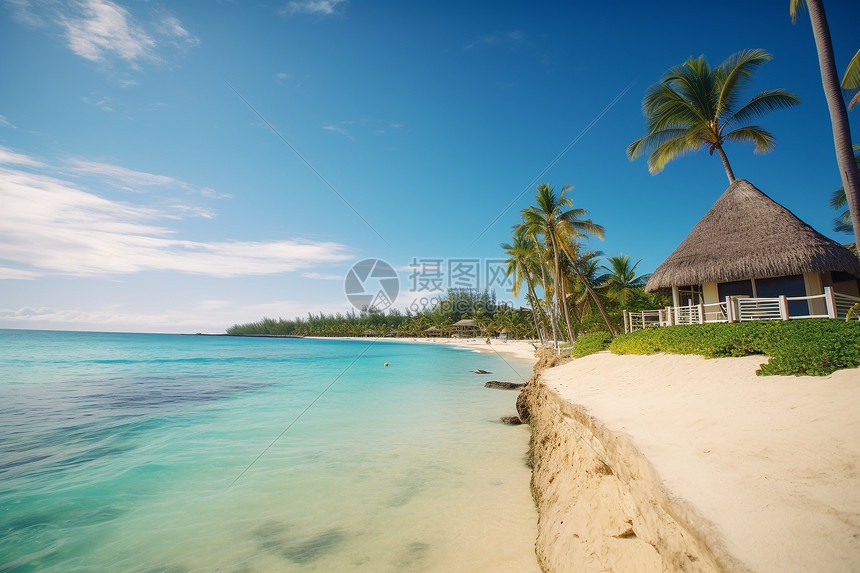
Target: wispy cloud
7,273
132,180
339,130
100,28
205,316
323,277
102,31
51,225
323,7
9,157
4,122
509,38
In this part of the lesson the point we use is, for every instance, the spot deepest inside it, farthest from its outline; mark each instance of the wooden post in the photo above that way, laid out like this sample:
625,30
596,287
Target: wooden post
730,310
783,307
701,313
669,315
831,302
625,321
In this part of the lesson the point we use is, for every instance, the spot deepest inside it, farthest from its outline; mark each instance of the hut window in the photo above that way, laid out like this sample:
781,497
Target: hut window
690,294
788,286
735,288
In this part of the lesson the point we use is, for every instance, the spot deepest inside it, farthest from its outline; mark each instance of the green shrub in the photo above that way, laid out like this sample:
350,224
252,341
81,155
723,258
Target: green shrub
590,343
815,347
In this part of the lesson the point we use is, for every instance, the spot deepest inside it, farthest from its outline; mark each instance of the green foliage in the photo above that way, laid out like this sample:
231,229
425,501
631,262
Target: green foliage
490,315
590,343
815,347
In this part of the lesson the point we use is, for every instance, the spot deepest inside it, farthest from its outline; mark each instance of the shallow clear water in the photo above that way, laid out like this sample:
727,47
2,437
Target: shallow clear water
146,452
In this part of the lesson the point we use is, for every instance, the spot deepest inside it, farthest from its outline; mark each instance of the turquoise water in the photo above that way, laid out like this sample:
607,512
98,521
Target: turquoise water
146,452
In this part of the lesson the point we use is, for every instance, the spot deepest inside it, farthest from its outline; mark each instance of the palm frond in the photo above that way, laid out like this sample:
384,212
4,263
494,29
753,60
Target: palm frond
762,103
734,74
794,7
653,140
671,149
851,78
764,140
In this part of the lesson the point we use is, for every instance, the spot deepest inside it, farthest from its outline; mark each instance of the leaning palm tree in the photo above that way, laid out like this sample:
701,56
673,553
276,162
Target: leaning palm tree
554,218
694,105
620,281
835,103
522,266
531,233
584,267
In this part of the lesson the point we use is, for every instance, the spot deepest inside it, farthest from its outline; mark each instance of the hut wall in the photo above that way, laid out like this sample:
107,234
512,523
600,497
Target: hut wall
842,283
815,285
710,293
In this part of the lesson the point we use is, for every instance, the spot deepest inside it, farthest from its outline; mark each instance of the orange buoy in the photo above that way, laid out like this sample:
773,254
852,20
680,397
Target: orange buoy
386,364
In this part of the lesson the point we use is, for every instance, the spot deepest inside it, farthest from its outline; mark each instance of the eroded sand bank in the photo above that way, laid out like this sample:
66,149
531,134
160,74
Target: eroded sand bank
677,463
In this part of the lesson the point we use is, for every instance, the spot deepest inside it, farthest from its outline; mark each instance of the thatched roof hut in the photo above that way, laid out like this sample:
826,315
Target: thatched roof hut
747,235
465,327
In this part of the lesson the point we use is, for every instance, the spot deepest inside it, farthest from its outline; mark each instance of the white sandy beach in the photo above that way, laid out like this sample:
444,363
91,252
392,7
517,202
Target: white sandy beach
519,349
770,463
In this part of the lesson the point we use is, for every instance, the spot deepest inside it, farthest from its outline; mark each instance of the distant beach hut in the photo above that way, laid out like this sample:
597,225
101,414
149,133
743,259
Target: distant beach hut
465,328
370,333
503,334
748,245
433,332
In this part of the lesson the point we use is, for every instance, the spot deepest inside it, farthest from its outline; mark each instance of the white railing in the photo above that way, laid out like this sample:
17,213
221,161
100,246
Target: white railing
759,309
742,309
843,303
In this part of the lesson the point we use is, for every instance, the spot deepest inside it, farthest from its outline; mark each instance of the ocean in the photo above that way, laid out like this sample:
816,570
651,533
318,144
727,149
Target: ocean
152,452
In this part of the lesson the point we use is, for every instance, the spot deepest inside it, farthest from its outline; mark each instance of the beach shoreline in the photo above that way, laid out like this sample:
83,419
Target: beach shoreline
521,350
676,462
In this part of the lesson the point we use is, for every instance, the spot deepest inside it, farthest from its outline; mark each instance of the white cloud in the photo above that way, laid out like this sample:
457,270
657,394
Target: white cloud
211,316
99,30
9,157
4,121
17,274
101,27
323,277
325,7
132,180
54,227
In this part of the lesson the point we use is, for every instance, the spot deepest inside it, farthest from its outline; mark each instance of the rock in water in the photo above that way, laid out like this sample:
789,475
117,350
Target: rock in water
511,420
503,385
480,371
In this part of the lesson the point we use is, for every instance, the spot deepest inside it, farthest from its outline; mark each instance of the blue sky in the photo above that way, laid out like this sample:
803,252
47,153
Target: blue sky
139,192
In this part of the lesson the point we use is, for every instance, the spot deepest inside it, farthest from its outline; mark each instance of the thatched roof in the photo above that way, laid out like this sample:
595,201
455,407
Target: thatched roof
746,234
466,322
432,329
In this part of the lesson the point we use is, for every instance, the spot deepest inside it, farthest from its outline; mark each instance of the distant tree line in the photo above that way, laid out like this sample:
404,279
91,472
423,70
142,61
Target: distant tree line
490,316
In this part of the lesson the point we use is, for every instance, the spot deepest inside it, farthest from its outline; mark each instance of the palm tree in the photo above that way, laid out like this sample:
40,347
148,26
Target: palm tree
522,264
620,281
554,218
584,266
835,103
694,105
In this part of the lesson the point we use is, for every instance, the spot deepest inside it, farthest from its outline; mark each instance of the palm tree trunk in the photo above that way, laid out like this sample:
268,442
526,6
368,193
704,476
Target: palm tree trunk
559,287
549,305
532,301
838,115
726,166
